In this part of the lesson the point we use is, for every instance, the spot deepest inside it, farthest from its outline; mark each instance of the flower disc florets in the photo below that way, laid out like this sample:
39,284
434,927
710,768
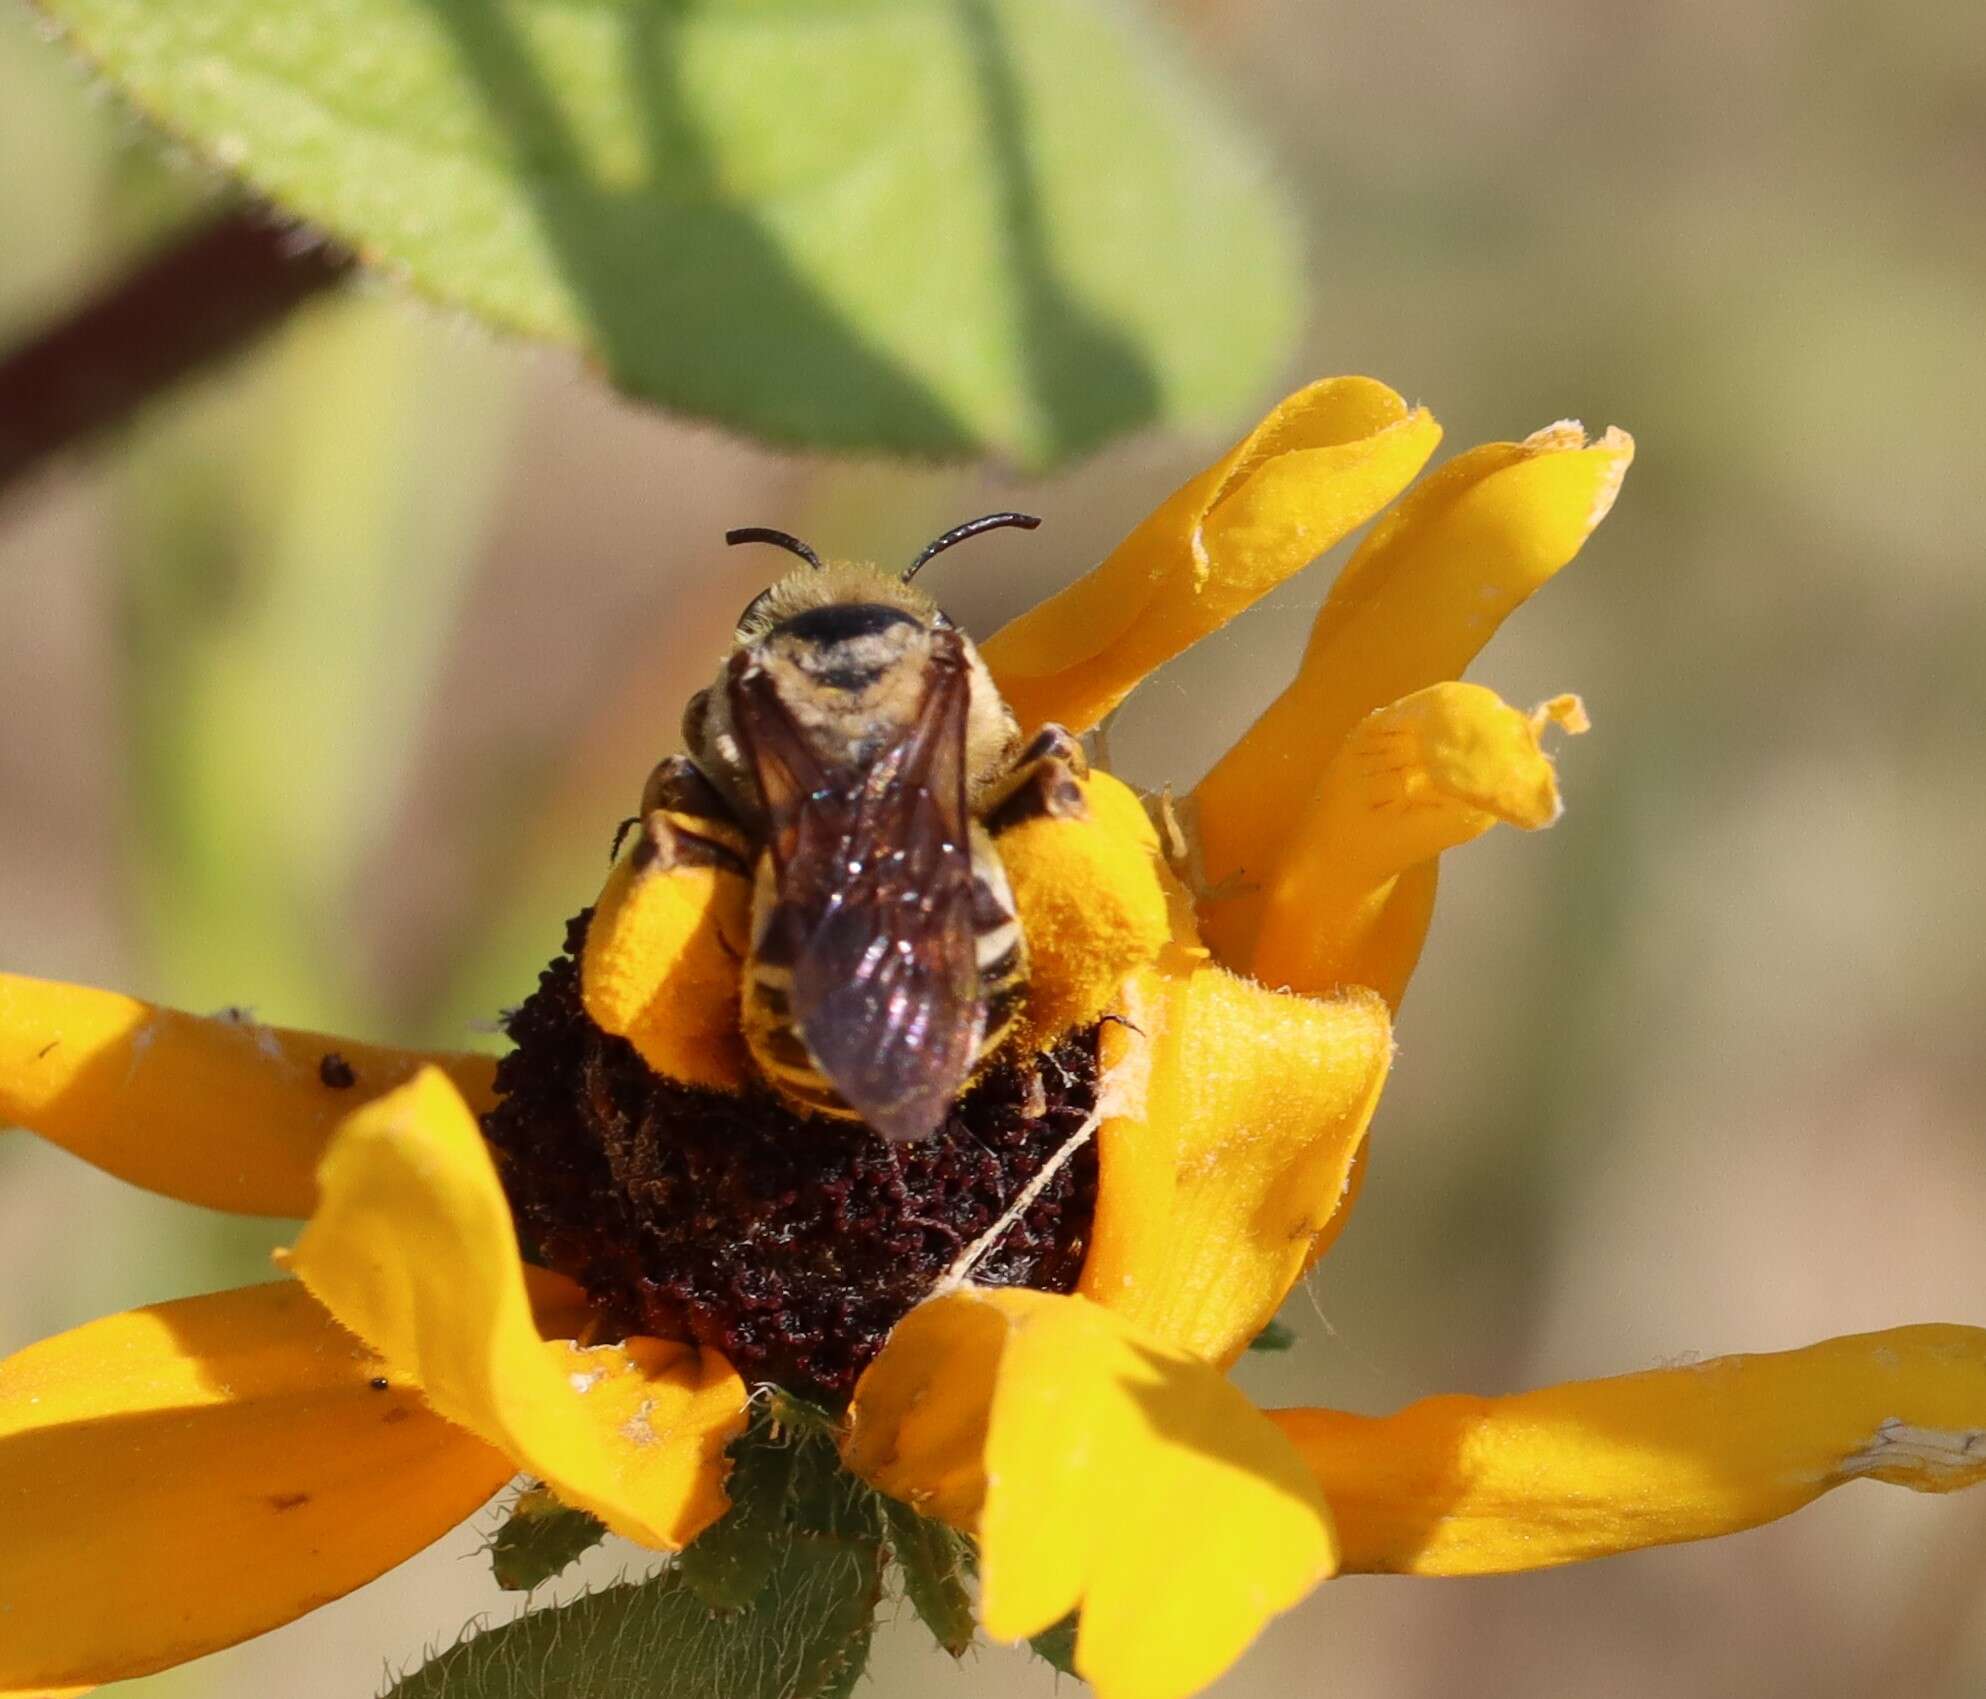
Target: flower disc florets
791,1245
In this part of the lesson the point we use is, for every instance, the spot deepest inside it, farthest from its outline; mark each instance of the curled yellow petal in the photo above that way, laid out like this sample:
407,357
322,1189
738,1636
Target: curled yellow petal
1074,1445
663,949
1319,466
219,1111
1431,771
412,1248
1477,1486
1423,593
1234,1117
181,1477
1092,905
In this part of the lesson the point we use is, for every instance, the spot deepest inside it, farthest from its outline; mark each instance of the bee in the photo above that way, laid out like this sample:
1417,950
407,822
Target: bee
855,739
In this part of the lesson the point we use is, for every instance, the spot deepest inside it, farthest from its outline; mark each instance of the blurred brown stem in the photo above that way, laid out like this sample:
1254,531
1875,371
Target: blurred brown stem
204,296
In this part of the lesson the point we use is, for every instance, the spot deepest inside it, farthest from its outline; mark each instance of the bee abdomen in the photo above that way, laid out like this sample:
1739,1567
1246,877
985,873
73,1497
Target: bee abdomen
999,950
999,959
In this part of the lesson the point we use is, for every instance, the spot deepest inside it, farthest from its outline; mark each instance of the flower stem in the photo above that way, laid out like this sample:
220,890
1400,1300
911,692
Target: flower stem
206,295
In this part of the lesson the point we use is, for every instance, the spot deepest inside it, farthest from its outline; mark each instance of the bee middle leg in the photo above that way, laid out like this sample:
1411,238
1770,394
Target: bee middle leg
1045,782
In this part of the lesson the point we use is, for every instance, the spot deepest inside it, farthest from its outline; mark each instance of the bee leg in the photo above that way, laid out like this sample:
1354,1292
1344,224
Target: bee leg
1055,743
666,841
1045,782
678,785
683,822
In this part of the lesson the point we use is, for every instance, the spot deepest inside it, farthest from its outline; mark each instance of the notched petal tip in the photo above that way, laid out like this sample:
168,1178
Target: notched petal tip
413,1249
1567,712
1428,587
1569,436
1069,1441
1422,776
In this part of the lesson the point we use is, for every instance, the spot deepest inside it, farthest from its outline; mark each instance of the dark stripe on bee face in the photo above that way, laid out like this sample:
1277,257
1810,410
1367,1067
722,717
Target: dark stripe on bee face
852,676
841,622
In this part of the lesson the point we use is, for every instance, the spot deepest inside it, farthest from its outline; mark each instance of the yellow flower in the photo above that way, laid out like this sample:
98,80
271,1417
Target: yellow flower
184,1476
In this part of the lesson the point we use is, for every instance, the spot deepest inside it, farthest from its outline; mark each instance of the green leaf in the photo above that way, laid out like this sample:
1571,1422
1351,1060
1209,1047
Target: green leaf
924,226
1057,1645
934,1562
805,1635
1274,1337
541,1537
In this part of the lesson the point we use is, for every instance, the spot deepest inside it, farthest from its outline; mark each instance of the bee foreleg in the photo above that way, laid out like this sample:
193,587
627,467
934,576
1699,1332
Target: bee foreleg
684,822
666,840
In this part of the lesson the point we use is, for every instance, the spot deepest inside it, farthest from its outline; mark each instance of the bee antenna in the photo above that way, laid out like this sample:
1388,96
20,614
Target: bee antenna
971,528
779,540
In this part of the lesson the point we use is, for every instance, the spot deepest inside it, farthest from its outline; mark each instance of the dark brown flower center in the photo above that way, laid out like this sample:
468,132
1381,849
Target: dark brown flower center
793,1246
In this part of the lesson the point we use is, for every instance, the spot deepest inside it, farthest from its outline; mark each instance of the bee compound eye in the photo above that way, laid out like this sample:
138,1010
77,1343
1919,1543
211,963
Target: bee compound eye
654,794
753,609
694,712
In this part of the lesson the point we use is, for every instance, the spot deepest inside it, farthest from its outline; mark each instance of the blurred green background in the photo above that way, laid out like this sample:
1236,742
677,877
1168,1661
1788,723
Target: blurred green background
322,689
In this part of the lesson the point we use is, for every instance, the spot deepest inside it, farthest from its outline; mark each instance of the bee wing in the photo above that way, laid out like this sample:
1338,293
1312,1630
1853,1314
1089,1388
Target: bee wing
873,912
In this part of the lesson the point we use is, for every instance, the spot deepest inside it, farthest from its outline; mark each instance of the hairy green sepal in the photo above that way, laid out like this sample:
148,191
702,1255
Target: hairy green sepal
1057,1645
541,1538
777,1600
1275,1336
934,1563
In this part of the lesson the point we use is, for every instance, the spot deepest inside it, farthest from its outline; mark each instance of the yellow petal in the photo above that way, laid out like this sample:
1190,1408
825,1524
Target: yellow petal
1432,771
412,1248
1092,904
663,949
1235,1116
181,1477
1107,1472
1319,466
1475,1486
1424,592
222,1112
1348,1201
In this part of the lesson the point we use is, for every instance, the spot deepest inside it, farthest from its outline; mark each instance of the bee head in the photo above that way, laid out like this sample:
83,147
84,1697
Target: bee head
848,651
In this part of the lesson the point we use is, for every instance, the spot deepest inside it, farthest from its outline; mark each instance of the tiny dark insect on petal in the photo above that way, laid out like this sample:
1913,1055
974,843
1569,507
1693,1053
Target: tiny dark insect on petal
336,1072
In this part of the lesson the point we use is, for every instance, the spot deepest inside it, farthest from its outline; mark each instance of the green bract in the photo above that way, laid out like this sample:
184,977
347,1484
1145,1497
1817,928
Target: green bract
925,226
